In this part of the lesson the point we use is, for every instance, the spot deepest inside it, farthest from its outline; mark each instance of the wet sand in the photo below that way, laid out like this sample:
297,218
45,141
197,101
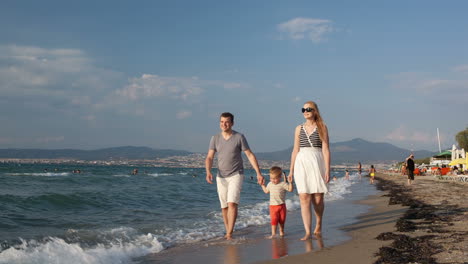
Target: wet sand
363,245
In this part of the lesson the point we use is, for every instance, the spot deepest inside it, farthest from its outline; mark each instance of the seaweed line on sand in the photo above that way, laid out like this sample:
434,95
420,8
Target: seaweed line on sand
432,220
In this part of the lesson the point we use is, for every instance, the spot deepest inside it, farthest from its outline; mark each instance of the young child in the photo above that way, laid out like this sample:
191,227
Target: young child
277,190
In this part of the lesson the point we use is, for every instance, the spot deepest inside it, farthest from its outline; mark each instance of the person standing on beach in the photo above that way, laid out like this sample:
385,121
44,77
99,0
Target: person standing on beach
372,174
229,145
410,168
360,169
277,190
310,166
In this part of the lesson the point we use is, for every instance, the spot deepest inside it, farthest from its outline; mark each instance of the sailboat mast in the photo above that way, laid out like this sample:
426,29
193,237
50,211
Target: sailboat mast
438,139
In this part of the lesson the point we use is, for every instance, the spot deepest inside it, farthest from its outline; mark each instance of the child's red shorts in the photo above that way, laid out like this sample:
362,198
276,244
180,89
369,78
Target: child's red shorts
278,214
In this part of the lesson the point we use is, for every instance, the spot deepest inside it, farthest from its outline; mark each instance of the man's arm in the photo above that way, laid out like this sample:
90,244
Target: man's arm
254,163
209,165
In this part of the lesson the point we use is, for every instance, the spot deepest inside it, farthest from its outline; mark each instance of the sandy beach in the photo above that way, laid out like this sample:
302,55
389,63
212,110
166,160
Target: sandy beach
422,223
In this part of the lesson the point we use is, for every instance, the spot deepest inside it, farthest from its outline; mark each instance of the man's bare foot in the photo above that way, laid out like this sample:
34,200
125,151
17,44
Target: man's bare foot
306,237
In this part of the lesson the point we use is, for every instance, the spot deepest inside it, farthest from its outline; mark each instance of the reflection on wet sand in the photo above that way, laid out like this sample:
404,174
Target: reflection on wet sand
309,246
279,248
231,255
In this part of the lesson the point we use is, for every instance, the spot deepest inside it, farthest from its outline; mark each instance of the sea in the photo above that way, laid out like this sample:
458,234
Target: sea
50,214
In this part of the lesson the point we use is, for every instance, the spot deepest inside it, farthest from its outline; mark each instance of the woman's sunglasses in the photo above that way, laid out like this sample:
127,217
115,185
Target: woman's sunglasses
308,109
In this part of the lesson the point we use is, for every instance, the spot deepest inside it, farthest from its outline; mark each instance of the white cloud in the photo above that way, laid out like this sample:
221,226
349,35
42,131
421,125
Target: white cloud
183,114
297,99
6,140
310,28
404,134
149,85
232,86
178,88
89,117
278,85
50,139
449,90
461,68
61,74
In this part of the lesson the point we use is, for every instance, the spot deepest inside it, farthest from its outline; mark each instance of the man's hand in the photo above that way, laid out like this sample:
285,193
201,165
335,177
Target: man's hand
260,179
209,177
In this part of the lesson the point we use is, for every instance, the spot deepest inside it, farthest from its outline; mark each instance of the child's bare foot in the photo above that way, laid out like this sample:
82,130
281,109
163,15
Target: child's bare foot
281,233
271,237
306,237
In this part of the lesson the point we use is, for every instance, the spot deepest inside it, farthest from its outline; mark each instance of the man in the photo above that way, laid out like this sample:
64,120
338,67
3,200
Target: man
229,145
410,168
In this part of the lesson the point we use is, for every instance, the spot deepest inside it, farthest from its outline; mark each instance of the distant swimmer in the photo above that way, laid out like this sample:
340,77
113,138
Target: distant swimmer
135,172
347,174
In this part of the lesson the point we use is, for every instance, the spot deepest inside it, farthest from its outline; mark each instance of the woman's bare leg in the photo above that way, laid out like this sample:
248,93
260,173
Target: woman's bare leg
319,207
306,213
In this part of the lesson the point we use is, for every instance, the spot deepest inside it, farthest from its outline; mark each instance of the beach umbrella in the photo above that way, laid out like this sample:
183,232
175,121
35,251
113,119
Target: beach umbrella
457,161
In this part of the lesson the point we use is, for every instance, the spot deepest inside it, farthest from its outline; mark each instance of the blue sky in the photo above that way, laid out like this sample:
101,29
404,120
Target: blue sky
94,74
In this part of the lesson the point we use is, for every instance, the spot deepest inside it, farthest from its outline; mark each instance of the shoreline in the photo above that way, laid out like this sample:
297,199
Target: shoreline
250,244
426,222
361,246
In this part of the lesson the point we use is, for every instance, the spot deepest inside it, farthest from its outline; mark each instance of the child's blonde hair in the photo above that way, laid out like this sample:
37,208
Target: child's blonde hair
276,171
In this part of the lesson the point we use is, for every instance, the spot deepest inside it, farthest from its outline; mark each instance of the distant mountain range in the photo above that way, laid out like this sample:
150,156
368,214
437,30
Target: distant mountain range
128,152
356,150
342,152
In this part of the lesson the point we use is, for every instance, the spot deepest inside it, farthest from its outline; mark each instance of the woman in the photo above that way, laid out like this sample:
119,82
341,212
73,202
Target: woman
310,166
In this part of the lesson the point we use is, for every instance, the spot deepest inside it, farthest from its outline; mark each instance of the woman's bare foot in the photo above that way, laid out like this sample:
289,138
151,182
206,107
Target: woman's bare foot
228,236
306,237
318,231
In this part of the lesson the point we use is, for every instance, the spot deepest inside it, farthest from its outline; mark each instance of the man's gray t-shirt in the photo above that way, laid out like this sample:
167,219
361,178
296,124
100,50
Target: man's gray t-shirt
229,153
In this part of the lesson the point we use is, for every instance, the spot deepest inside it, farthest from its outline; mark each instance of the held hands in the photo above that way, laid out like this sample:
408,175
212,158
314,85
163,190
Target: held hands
290,177
209,177
260,179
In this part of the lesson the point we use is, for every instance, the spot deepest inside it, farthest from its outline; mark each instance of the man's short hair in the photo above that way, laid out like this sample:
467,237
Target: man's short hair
276,171
227,114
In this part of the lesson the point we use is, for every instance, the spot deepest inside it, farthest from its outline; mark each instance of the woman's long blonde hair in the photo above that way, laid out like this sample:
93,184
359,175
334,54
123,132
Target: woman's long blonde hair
318,120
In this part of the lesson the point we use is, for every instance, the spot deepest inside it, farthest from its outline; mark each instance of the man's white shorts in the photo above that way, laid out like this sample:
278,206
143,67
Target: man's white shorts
229,189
